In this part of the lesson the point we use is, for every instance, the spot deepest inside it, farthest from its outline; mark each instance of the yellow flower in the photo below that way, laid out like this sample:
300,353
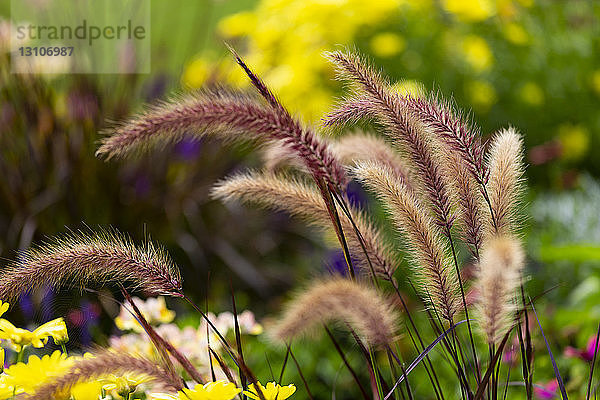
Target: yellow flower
22,337
477,53
154,310
124,384
409,87
481,94
532,94
574,140
284,40
3,307
387,44
238,24
37,371
516,34
219,390
195,74
57,329
87,391
272,392
469,10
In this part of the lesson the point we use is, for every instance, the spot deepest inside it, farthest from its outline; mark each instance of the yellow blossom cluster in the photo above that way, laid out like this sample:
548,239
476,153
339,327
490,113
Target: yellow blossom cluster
27,376
284,41
223,390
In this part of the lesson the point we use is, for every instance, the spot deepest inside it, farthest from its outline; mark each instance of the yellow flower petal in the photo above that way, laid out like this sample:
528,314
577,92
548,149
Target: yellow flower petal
387,44
477,53
219,390
271,392
3,307
57,329
37,371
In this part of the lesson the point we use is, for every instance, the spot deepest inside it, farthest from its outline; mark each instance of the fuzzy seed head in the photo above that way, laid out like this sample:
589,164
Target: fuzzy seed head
500,268
505,186
79,259
432,266
363,308
304,201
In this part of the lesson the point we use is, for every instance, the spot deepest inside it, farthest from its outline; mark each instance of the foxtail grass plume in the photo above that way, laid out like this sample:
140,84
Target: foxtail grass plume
500,267
450,125
432,266
79,259
466,194
363,308
304,201
228,116
505,186
364,147
404,129
104,363
348,149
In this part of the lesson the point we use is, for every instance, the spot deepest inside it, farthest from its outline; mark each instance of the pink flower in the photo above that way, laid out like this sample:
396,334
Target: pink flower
586,354
547,391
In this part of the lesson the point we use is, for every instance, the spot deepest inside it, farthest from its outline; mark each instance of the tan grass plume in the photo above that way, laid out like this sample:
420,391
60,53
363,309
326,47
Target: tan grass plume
103,363
304,201
79,259
406,131
466,195
230,116
500,268
432,266
352,147
363,308
364,147
505,186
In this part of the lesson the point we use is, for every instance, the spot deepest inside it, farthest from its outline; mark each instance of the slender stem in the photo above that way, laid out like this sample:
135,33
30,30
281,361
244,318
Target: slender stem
213,327
376,373
238,339
528,346
335,218
395,374
308,393
589,386
434,380
285,360
489,203
450,345
20,355
507,381
492,376
162,346
361,240
343,357
464,301
408,389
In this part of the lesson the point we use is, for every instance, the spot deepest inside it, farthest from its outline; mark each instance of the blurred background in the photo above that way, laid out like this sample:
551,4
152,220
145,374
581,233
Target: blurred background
533,64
